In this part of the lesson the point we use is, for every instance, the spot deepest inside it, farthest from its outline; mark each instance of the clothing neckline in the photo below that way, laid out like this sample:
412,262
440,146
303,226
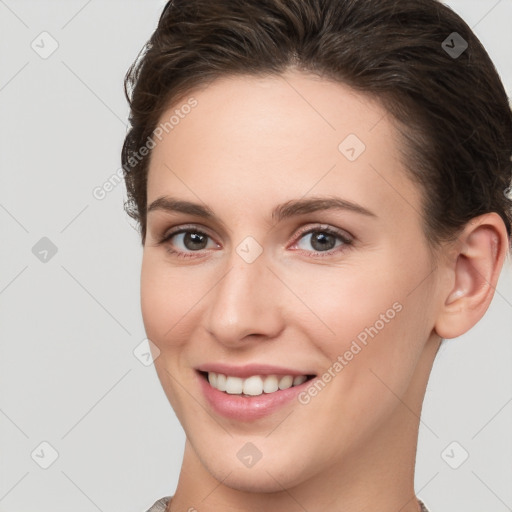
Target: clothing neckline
162,504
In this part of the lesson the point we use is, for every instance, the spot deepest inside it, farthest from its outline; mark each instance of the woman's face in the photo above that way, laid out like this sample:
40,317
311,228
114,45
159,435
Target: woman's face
272,277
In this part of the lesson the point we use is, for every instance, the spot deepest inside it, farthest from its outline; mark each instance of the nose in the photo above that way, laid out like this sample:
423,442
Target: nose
246,302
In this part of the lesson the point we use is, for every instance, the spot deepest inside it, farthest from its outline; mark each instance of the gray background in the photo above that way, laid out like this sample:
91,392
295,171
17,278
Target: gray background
69,325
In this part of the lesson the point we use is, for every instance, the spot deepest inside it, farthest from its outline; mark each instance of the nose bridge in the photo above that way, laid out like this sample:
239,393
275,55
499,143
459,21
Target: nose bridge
244,302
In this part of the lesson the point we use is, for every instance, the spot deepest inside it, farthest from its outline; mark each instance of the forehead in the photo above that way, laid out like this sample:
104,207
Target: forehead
275,138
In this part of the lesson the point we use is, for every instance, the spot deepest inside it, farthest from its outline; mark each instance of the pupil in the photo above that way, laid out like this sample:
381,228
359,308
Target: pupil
322,242
195,241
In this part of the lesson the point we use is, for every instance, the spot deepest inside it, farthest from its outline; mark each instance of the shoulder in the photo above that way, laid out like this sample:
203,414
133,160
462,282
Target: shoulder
423,507
160,505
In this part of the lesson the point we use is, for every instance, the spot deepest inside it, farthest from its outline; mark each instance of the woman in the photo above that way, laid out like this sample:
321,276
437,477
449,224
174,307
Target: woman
321,204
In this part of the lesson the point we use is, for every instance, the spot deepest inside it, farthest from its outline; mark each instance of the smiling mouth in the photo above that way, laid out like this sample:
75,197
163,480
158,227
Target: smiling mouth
255,385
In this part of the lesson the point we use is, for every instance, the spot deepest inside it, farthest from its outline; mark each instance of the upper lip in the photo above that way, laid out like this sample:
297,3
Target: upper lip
249,370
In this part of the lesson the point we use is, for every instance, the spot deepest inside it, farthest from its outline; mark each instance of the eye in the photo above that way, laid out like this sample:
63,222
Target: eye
323,239
189,241
185,241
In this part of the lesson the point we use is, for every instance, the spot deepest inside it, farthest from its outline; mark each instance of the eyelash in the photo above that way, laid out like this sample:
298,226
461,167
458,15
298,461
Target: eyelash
346,241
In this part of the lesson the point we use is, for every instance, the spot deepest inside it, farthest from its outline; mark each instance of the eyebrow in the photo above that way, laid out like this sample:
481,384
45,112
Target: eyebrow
283,211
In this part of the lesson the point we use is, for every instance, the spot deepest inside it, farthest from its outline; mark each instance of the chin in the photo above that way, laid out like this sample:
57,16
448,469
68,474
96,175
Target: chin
264,477
259,482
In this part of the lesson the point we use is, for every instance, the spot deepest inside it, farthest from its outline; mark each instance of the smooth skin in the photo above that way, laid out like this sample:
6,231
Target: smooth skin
251,144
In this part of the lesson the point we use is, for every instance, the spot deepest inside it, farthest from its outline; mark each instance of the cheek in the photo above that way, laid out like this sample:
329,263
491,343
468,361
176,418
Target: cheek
166,297
342,302
376,319
166,302
369,366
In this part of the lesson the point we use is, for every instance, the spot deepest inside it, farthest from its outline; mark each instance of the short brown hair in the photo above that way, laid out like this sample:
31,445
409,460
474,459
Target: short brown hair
453,114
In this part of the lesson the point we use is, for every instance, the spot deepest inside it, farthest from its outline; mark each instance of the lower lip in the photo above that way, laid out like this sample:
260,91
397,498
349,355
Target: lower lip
244,408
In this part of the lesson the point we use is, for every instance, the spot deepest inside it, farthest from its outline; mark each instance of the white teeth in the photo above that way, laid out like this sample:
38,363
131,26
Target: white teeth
286,382
221,381
234,385
270,384
254,385
299,380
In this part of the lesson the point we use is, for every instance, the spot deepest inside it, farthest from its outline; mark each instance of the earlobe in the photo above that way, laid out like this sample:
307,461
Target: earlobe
474,273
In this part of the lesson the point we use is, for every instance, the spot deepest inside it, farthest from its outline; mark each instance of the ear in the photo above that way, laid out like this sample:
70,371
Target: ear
474,267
